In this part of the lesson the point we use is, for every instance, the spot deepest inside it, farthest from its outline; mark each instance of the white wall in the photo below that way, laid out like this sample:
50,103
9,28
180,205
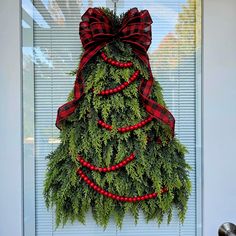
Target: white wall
10,120
219,116
219,81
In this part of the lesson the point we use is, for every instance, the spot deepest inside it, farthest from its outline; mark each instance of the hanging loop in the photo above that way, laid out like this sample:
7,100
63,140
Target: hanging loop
115,2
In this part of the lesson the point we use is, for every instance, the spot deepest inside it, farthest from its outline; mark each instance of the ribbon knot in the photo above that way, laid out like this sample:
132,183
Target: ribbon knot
96,31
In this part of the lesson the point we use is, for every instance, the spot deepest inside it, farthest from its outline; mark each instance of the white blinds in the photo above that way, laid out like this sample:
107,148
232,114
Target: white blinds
56,52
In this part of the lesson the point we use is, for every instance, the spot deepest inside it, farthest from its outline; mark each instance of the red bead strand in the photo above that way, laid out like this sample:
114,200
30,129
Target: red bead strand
121,86
114,196
136,126
106,169
127,128
104,125
116,63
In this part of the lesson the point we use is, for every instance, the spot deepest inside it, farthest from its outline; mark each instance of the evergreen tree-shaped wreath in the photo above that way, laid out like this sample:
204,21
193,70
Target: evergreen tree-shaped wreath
118,153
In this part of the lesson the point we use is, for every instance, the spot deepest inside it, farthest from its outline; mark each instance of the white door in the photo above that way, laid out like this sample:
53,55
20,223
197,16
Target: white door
51,49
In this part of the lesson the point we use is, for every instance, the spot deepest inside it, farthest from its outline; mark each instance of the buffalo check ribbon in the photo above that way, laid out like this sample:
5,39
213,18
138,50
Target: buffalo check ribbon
96,31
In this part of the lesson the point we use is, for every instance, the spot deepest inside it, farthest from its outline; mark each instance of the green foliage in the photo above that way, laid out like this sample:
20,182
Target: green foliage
156,165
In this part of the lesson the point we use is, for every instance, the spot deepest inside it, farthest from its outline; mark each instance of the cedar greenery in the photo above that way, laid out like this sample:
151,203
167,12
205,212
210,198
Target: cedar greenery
156,165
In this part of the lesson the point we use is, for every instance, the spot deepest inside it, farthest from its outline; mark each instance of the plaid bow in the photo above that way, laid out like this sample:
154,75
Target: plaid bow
96,31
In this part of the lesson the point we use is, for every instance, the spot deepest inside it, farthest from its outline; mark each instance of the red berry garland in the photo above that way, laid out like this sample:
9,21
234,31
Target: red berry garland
121,86
106,169
104,125
121,130
116,63
136,126
114,196
127,128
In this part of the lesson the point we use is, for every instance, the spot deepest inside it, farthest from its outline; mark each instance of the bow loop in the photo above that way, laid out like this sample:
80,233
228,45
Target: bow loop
136,16
101,30
94,27
95,15
136,29
137,34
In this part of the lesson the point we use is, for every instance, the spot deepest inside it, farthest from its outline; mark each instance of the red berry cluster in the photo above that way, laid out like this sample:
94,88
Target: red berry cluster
106,169
116,63
114,196
121,86
136,126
